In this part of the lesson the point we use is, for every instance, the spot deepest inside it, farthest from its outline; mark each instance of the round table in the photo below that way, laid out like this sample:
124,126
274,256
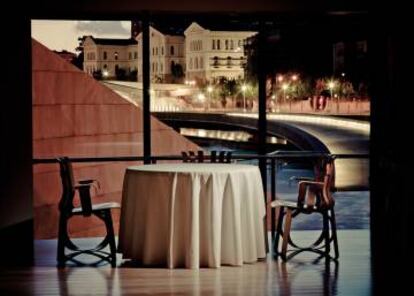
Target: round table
192,215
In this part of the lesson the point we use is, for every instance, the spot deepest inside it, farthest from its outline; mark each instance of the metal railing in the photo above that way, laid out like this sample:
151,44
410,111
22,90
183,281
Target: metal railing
268,163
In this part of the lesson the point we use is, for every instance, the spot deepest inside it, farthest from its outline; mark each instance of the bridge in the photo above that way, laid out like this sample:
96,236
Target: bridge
307,132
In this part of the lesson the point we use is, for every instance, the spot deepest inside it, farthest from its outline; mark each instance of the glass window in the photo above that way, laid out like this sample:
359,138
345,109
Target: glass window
116,55
172,50
105,55
213,47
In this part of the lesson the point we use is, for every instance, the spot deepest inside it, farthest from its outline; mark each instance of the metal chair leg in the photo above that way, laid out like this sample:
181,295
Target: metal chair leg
334,235
326,233
278,230
111,237
286,233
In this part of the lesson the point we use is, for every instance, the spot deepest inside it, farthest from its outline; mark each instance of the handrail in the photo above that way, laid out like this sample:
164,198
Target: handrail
273,155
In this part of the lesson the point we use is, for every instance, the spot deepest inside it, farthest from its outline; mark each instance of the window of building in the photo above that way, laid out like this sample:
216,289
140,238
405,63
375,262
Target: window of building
226,44
229,63
218,44
156,51
129,55
215,62
161,68
239,43
162,50
172,50
116,55
105,55
231,45
196,63
135,55
190,64
201,62
213,46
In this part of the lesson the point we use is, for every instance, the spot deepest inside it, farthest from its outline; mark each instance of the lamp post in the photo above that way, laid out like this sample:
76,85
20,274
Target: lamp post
209,91
331,86
202,98
284,88
244,88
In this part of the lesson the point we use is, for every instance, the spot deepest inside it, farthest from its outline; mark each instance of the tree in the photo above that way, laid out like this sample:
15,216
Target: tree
97,74
78,61
133,75
120,74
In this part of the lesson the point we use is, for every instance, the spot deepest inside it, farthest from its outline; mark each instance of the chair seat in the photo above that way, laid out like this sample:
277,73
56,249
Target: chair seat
99,206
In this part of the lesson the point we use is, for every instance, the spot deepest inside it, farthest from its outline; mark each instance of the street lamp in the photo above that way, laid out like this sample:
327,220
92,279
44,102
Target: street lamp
244,88
209,91
280,78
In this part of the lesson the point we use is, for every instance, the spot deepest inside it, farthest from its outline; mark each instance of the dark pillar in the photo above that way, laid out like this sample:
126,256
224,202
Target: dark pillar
262,123
16,187
390,173
146,89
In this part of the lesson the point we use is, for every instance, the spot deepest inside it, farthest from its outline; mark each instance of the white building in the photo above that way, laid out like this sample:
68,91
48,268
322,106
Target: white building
108,55
214,54
165,51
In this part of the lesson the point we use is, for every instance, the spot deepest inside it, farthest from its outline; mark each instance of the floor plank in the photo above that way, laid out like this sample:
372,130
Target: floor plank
302,275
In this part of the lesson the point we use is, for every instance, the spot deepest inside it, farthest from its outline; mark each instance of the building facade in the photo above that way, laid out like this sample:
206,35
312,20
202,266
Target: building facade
167,55
211,55
109,56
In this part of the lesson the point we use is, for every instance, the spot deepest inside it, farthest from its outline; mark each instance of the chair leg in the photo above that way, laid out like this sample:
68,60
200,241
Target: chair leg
326,233
286,233
334,235
111,236
62,238
278,230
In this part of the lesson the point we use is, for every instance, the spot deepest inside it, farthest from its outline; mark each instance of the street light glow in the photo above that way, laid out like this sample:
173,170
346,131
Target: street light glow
201,97
210,89
280,78
285,86
294,77
244,87
331,84
105,73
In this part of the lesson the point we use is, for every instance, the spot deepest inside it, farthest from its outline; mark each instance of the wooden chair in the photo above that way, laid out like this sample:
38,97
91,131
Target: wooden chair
215,156
87,208
313,197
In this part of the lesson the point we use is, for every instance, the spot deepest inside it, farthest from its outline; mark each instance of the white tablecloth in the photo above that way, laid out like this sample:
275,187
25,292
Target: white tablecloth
192,215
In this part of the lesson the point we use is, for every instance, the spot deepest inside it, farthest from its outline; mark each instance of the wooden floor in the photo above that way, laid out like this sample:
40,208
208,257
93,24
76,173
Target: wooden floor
303,275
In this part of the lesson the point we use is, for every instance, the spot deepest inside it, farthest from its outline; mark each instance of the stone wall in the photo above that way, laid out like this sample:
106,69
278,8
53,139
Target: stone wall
76,116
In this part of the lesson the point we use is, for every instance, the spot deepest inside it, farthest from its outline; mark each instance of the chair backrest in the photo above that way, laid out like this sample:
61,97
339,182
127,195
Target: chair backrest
69,188
319,196
68,184
215,156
